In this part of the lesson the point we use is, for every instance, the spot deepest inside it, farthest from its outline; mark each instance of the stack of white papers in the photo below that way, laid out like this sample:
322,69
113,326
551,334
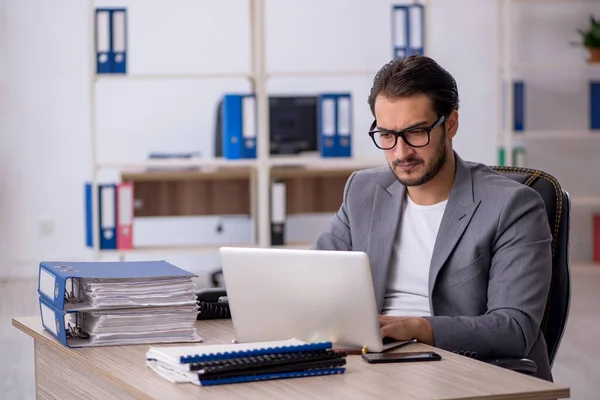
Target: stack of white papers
141,325
113,293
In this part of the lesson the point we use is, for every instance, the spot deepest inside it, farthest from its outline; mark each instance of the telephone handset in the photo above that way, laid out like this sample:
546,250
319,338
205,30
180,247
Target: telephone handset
212,304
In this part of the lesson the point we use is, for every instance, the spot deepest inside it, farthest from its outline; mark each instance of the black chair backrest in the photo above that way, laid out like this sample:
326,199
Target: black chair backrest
558,207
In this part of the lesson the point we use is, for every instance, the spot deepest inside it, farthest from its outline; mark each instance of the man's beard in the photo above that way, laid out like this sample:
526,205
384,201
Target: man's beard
434,167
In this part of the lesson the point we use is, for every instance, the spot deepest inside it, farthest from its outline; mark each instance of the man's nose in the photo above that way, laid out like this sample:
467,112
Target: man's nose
401,150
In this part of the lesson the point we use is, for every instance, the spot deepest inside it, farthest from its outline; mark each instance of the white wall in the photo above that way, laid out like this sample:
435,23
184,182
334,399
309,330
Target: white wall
44,119
558,99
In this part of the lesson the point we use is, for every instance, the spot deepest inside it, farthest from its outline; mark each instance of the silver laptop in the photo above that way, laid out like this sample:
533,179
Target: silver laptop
309,295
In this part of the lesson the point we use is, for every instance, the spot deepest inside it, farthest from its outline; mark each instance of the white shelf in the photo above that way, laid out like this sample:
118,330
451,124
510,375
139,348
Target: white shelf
103,77
312,161
585,200
555,134
262,167
582,66
326,162
174,164
299,74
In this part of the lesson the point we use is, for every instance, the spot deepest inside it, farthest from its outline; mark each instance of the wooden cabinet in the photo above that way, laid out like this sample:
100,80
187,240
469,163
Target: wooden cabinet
228,191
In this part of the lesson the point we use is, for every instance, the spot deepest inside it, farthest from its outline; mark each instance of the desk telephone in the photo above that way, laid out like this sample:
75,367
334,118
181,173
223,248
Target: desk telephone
212,304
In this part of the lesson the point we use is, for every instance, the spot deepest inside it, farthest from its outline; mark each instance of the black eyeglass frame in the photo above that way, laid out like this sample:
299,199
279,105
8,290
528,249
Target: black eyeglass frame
428,129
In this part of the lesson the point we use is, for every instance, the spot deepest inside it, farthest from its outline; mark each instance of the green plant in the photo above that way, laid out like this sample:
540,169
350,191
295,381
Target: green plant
591,38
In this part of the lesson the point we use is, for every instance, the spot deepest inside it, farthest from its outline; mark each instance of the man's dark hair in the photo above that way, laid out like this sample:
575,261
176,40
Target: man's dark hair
416,75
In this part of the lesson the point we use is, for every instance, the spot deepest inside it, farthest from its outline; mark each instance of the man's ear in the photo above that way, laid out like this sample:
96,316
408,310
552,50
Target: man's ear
452,124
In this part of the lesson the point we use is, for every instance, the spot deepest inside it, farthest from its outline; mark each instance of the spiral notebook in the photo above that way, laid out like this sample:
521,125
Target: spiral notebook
221,364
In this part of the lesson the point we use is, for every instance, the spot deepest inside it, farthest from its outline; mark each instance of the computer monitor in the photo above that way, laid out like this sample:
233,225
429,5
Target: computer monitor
292,123
309,295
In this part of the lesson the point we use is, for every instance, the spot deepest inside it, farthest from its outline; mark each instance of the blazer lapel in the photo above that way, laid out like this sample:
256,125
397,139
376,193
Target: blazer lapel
385,219
459,211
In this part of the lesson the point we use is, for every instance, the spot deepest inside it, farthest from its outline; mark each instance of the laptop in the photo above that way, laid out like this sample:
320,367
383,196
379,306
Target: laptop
309,295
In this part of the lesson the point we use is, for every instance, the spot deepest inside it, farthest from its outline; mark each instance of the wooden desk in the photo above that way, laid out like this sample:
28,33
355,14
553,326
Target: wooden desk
121,372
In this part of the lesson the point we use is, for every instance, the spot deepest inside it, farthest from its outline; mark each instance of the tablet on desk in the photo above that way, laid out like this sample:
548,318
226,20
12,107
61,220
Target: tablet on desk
310,295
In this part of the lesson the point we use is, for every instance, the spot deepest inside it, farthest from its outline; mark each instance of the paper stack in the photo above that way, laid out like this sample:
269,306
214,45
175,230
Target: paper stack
116,303
207,365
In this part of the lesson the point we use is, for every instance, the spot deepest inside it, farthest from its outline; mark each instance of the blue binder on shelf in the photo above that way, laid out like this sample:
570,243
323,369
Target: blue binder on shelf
326,125
58,282
119,40
518,106
408,30
595,105
111,40
334,124
239,126
343,143
107,215
104,55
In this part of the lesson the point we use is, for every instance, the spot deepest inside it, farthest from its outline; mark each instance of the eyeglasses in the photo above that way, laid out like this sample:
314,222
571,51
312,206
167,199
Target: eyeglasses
386,139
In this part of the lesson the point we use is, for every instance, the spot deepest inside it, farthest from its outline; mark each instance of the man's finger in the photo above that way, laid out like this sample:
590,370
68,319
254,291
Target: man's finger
385,331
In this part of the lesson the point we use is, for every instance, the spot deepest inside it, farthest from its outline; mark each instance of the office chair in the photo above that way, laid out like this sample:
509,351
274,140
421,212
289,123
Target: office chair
558,207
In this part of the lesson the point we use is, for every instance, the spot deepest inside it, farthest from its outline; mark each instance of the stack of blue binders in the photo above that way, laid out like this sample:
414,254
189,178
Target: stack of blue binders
117,303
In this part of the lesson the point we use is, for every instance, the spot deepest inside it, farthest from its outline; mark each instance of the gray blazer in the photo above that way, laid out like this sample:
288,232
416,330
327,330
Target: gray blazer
490,271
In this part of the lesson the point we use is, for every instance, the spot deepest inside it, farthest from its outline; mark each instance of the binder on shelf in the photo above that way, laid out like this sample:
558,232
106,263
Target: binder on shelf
107,217
239,126
595,105
416,29
104,56
519,106
326,121
278,213
334,120
119,40
62,283
125,215
408,30
223,364
111,40
343,142
518,156
400,31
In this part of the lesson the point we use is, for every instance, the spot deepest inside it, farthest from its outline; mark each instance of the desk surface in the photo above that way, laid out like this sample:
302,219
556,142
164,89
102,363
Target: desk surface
454,377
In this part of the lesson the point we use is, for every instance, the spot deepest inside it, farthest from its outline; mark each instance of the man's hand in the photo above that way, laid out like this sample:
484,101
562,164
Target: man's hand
407,328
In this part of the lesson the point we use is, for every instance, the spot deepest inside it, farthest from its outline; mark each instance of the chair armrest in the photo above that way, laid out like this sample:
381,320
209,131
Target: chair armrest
522,365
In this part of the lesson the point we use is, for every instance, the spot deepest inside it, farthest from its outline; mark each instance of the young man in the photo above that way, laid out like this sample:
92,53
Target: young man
460,255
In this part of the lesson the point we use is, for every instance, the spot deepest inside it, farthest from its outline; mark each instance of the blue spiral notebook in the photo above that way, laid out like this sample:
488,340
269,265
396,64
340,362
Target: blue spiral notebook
208,365
182,355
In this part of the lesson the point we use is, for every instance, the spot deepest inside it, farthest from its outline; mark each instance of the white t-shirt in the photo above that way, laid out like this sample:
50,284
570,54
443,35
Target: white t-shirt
407,291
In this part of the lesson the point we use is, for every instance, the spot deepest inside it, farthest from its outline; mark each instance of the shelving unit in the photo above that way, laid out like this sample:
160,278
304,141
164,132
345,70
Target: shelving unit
257,172
507,69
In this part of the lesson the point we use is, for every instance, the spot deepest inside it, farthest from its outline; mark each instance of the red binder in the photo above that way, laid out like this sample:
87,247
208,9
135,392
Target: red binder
125,215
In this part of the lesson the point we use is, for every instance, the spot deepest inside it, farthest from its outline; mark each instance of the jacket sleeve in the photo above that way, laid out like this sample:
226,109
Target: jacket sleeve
519,282
337,236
